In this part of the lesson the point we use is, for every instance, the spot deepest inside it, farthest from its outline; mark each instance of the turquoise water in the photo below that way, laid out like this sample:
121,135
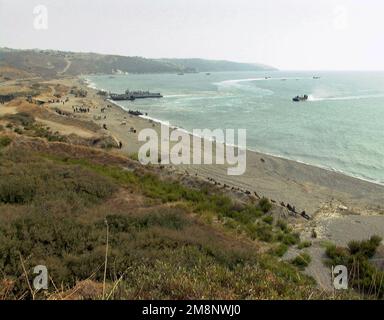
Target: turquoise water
341,127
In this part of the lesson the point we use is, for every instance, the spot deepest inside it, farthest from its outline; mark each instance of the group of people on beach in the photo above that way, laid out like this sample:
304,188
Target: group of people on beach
293,209
58,101
102,110
81,109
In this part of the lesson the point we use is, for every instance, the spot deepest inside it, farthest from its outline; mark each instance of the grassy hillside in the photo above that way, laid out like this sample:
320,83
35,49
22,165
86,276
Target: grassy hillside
203,65
166,240
49,63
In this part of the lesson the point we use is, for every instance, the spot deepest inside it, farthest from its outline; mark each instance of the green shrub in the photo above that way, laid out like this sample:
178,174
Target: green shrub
265,205
18,131
289,239
134,156
17,189
268,220
367,248
304,244
302,260
355,257
38,130
280,250
171,219
264,232
22,183
5,141
282,225
261,231
337,255
21,118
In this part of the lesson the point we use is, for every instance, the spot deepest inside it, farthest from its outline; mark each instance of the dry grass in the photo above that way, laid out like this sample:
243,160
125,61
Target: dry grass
159,245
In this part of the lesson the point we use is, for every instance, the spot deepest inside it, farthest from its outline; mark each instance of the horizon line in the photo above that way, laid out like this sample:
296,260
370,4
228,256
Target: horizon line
194,57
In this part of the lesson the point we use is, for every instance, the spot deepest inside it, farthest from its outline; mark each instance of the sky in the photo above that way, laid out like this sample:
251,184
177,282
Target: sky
287,34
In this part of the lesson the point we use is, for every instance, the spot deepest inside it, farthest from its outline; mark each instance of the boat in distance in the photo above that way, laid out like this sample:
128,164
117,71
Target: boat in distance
300,98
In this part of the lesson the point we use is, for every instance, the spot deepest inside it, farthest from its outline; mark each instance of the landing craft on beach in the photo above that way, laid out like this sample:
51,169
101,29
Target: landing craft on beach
132,95
135,113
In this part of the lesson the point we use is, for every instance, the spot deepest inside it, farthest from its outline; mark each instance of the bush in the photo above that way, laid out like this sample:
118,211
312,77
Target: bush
261,231
170,219
264,232
23,183
268,220
21,118
355,257
17,189
134,156
289,239
280,250
337,255
304,244
302,260
265,205
5,141
282,225
18,131
367,248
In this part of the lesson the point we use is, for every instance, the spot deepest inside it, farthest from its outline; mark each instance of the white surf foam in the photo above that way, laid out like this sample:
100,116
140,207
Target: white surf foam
358,97
236,81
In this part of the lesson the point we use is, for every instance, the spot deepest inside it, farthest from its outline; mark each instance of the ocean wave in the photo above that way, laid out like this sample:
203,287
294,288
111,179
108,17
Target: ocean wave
92,84
236,81
357,97
177,95
239,84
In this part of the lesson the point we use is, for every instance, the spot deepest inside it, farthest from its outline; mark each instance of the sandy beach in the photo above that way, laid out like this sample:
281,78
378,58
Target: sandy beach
319,192
306,187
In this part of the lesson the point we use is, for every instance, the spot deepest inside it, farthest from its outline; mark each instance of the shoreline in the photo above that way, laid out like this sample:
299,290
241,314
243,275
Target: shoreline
339,207
91,85
306,186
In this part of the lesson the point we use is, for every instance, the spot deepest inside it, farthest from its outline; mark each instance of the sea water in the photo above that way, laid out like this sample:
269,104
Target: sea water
340,127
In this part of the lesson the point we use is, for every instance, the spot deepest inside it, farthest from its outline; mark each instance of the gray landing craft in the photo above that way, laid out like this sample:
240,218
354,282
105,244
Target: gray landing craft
302,98
132,95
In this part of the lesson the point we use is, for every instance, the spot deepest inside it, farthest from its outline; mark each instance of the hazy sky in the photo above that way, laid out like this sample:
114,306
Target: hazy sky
288,34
